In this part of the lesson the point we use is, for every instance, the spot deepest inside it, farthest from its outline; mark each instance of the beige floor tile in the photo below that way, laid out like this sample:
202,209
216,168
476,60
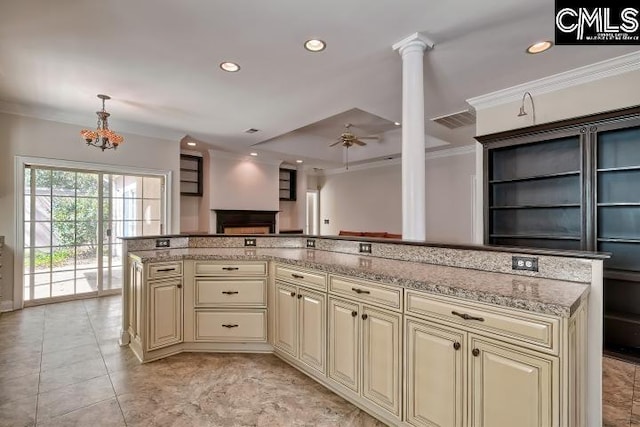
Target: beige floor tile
56,359
20,365
75,396
72,373
67,341
102,414
19,388
18,413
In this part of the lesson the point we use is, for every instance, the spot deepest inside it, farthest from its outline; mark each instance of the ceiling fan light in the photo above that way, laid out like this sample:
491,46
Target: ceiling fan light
230,67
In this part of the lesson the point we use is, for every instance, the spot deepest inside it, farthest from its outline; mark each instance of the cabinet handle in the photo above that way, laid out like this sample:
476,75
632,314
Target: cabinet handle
364,317
456,345
230,326
354,313
293,294
164,270
178,286
465,316
299,296
229,292
360,291
230,268
475,352
297,276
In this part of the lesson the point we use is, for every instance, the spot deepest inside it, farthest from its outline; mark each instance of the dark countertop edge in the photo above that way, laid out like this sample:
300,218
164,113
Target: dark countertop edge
482,297
485,248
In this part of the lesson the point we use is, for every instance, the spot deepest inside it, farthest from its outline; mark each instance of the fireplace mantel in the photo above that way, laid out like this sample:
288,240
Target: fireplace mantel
228,218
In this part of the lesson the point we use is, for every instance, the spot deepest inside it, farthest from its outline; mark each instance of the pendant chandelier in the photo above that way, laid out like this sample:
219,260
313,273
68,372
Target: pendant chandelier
103,137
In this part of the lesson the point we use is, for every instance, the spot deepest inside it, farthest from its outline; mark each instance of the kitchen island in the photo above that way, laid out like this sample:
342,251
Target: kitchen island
401,329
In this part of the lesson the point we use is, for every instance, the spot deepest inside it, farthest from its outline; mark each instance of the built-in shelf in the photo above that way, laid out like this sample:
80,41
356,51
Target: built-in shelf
620,169
287,184
534,236
190,175
535,177
565,205
619,204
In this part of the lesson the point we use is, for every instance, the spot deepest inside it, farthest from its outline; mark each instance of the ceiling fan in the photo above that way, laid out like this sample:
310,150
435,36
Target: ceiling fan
349,139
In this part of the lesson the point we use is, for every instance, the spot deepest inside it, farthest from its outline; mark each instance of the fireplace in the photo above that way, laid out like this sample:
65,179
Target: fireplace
245,221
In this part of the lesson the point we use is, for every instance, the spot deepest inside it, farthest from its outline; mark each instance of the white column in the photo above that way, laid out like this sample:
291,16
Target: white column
301,198
413,158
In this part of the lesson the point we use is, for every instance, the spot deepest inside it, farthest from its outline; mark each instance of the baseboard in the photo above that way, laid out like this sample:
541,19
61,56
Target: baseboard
6,305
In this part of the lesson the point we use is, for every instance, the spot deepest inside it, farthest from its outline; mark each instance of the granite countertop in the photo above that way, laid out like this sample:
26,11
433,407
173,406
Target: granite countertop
546,296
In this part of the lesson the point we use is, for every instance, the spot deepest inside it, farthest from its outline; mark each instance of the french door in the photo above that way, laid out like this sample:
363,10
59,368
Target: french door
72,219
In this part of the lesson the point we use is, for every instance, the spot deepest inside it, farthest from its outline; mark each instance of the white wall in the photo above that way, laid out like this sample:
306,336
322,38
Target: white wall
371,199
26,136
242,183
606,94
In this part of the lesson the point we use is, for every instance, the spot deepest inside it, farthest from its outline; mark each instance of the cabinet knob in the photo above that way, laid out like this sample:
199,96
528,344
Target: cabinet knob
299,296
364,317
475,352
179,286
456,345
354,313
293,294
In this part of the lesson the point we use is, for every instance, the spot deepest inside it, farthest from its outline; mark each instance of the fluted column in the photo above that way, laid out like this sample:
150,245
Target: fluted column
412,50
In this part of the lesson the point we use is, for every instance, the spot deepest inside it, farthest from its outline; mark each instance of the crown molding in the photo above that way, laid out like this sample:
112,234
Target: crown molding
448,152
578,76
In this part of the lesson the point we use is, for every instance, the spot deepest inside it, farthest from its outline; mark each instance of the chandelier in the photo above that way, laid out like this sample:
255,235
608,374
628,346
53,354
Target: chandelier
103,137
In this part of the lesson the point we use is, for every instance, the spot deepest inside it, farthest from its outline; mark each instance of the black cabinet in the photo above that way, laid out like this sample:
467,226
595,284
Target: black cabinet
574,185
190,175
288,184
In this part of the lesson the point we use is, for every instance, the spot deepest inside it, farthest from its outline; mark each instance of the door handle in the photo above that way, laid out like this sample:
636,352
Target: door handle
365,317
466,316
229,292
297,276
230,268
354,313
230,326
360,291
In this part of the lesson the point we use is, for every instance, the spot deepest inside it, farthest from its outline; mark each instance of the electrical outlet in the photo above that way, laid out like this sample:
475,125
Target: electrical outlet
163,243
250,242
326,221
311,243
524,263
365,248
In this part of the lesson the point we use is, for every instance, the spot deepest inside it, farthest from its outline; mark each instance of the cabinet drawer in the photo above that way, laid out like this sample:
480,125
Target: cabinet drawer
538,332
230,293
160,270
367,292
314,279
231,268
231,326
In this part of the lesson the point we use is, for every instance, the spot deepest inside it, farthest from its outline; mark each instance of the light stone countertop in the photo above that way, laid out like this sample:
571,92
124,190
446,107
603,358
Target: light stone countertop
546,296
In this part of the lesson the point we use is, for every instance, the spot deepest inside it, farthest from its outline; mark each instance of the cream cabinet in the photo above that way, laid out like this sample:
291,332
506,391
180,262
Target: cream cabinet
300,324
479,366
364,351
165,313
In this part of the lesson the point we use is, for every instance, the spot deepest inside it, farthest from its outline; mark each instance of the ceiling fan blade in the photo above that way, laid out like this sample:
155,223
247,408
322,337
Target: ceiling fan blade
357,141
335,143
369,137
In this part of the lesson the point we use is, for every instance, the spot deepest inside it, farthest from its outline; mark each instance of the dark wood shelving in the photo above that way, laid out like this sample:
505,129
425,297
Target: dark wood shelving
190,165
288,192
535,177
596,194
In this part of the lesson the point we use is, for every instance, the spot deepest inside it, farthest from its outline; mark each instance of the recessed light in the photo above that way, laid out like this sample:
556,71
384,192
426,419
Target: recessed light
230,67
539,47
298,161
314,45
191,144
253,154
396,123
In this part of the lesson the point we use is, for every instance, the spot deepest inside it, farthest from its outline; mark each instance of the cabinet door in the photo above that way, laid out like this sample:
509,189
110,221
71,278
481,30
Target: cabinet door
511,388
381,358
312,329
434,374
165,314
344,343
286,328
135,276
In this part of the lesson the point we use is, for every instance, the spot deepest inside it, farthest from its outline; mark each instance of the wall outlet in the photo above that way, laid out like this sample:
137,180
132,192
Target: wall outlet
311,243
250,242
326,221
365,248
163,243
525,263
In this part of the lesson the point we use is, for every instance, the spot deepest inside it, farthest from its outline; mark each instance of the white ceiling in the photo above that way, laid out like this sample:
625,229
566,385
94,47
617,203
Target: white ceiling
158,59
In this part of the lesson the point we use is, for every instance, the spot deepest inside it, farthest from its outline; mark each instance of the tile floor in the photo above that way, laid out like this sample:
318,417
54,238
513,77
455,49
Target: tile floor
60,365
